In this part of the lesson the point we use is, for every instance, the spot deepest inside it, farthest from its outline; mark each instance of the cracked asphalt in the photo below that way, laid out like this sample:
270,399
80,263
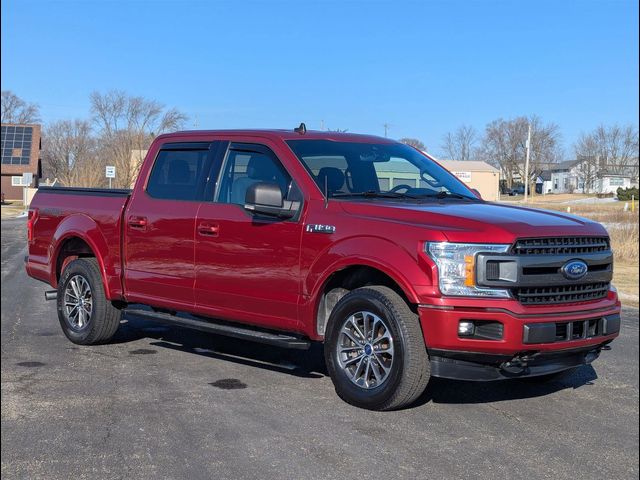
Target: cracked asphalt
161,402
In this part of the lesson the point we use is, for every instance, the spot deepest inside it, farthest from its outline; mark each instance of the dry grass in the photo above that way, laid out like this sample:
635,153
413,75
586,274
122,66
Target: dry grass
12,209
625,278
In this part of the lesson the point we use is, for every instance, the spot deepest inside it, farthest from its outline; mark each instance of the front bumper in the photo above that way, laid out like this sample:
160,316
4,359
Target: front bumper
483,367
533,341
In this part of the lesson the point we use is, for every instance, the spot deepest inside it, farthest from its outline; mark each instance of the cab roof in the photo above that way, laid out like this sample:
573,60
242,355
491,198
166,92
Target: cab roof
286,135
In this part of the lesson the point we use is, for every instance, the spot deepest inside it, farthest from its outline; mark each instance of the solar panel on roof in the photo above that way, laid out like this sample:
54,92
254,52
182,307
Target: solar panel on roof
16,145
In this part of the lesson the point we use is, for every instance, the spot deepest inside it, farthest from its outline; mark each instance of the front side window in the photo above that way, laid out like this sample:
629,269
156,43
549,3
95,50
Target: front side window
179,174
245,167
345,169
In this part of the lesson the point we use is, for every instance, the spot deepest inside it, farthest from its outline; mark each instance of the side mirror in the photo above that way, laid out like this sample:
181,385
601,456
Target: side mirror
476,192
266,199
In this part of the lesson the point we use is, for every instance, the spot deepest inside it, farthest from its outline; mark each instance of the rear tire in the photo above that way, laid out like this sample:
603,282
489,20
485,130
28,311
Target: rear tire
387,369
86,316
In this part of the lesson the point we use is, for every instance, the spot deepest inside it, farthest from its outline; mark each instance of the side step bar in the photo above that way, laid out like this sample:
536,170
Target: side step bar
211,326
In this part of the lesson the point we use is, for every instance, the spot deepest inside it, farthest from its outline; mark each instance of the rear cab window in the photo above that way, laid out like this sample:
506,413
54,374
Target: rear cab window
181,173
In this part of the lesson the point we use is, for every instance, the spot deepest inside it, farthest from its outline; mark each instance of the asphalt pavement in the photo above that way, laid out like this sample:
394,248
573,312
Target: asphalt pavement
162,402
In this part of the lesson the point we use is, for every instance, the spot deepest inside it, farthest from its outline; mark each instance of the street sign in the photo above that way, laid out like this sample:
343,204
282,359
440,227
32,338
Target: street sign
110,171
27,178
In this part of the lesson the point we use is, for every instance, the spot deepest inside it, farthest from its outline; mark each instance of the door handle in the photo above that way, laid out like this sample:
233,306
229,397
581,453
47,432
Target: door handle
208,230
139,223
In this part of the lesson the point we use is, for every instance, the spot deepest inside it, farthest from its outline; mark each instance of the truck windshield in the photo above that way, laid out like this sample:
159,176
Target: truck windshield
393,170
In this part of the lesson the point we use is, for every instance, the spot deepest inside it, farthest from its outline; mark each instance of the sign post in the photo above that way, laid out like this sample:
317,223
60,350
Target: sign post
27,178
110,172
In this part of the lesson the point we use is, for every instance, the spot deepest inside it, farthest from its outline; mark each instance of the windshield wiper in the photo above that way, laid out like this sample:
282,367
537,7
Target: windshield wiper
373,194
444,194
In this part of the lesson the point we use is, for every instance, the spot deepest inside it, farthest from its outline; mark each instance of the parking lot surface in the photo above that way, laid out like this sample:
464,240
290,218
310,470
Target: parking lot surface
161,402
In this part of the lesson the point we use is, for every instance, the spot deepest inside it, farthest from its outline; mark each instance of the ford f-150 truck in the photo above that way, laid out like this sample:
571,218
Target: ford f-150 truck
360,242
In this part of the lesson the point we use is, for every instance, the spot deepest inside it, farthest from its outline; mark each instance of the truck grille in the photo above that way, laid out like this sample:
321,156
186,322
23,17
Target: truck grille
561,245
562,294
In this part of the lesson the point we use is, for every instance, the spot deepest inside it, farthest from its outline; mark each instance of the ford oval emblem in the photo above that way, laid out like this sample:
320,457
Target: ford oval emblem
574,269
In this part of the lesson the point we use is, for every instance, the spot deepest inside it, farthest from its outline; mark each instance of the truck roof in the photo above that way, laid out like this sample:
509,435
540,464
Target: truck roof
286,135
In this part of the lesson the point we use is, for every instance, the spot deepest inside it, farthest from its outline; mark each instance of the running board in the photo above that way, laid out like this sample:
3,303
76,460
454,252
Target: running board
211,326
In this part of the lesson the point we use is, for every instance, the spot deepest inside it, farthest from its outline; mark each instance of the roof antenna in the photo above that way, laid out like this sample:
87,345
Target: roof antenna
302,129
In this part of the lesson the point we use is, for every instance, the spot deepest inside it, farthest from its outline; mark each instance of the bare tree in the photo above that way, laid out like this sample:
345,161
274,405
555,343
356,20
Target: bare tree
504,146
611,148
16,110
128,124
586,150
69,154
414,142
460,145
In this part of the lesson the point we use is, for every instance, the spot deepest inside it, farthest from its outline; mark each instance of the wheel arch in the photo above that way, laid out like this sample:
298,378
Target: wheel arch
346,277
78,236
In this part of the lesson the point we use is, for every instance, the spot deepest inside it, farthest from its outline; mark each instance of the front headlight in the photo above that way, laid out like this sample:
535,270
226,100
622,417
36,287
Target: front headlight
456,264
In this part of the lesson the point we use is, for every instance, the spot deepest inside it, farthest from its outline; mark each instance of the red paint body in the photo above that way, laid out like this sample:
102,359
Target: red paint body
217,260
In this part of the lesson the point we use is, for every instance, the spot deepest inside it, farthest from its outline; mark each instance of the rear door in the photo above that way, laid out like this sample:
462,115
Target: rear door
160,225
247,265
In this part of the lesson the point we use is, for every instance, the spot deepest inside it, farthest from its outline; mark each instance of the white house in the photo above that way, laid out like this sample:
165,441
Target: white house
576,176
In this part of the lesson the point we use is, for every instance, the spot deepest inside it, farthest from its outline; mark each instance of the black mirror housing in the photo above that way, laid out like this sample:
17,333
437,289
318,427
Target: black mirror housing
267,194
266,199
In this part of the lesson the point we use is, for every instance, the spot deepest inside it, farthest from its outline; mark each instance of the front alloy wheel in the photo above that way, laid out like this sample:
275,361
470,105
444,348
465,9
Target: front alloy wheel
365,350
374,350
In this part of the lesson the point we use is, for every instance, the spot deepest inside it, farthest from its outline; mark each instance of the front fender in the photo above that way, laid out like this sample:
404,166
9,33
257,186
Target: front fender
88,230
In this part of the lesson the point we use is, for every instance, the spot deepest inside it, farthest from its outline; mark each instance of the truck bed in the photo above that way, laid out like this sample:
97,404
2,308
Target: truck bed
62,213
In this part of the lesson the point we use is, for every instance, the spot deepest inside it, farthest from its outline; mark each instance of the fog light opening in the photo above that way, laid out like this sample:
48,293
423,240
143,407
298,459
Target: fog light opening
466,328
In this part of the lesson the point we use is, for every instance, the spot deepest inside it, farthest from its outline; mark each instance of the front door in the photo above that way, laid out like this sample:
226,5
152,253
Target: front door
160,226
247,266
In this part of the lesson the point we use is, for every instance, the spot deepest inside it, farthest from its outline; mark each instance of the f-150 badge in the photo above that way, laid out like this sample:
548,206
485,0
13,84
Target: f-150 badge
321,228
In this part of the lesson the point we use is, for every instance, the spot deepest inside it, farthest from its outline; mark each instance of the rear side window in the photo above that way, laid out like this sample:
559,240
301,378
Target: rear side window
179,174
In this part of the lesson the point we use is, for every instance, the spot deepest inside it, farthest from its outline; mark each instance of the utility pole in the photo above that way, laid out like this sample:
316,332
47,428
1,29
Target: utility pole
526,166
386,128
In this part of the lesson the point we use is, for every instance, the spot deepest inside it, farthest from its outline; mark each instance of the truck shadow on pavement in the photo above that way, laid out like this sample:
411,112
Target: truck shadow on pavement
310,364
446,391
299,363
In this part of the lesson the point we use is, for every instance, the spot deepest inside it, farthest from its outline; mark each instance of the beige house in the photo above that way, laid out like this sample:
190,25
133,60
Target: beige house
479,175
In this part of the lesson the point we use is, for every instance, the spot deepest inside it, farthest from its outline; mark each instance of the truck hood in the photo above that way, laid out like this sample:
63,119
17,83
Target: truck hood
477,222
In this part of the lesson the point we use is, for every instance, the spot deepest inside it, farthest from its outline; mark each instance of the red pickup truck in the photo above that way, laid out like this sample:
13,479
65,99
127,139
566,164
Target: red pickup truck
360,242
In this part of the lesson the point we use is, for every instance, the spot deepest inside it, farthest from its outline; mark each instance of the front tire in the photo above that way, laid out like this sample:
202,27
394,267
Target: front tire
374,350
86,316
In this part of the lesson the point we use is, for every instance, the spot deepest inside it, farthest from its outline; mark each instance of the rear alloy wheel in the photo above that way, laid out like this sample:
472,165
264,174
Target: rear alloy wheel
374,350
86,316
78,303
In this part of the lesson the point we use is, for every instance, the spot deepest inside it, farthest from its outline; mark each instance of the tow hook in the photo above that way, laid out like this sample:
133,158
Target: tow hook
518,365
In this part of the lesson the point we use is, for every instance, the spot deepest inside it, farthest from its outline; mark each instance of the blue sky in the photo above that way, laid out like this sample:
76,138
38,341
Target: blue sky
422,67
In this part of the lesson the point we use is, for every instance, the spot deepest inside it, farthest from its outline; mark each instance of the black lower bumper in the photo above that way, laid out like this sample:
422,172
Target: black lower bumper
486,367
